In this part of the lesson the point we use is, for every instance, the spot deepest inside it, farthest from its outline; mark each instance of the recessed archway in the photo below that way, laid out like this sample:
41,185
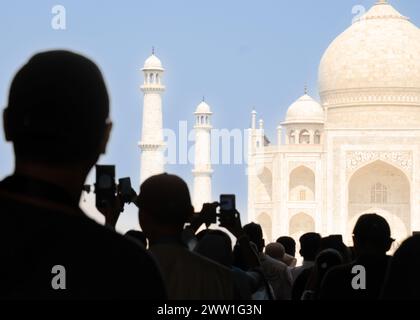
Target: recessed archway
304,137
300,224
398,227
380,187
302,184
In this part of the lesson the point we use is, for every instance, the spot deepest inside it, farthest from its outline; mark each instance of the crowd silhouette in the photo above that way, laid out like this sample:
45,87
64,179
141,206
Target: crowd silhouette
57,119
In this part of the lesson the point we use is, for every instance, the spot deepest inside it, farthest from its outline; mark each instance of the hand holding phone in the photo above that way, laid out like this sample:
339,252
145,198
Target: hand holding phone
229,217
227,203
125,192
105,187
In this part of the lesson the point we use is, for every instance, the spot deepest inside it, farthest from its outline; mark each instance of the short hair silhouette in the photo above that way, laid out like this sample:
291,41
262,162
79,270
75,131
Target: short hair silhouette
57,109
372,230
166,198
217,246
324,261
327,259
137,236
309,245
255,235
403,279
289,245
336,242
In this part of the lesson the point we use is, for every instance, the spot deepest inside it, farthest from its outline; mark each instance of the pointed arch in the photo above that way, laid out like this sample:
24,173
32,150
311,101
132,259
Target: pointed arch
304,137
300,224
383,187
302,184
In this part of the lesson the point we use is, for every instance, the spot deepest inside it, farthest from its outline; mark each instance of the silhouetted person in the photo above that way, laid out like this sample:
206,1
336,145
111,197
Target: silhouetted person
403,279
277,273
57,120
372,239
164,208
309,247
324,261
289,245
217,246
336,242
137,236
275,250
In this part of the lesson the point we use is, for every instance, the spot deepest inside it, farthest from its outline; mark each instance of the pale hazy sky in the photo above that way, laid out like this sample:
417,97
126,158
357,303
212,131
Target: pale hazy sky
239,54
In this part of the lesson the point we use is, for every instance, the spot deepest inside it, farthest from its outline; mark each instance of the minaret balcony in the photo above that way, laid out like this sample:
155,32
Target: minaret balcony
152,88
148,146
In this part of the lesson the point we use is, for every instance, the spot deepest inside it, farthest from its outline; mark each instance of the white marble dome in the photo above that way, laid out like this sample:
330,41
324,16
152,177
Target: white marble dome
153,63
305,110
378,52
203,107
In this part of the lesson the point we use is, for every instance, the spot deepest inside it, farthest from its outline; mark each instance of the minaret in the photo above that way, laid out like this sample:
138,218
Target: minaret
151,144
202,165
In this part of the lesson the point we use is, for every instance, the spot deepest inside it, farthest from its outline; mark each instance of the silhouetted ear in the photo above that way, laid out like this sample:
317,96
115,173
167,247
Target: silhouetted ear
107,134
6,123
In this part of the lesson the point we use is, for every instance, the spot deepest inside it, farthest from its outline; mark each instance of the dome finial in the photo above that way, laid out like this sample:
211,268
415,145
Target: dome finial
204,99
153,50
306,89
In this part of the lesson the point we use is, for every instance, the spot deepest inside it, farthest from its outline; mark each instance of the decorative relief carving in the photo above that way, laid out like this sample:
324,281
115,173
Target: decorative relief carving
401,159
350,97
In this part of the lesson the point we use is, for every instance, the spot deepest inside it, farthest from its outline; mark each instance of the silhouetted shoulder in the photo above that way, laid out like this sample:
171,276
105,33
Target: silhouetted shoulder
191,276
98,262
336,283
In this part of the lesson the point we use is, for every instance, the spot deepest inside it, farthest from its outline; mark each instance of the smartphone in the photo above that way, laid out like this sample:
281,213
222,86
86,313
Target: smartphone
105,187
125,191
227,203
228,212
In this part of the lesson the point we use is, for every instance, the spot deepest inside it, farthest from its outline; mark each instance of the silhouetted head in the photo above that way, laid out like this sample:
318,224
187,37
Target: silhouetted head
336,242
327,259
217,246
289,245
137,236
255,234
164,206
309,245
58,111
239,260
275,250
372,235
324,261
403,280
